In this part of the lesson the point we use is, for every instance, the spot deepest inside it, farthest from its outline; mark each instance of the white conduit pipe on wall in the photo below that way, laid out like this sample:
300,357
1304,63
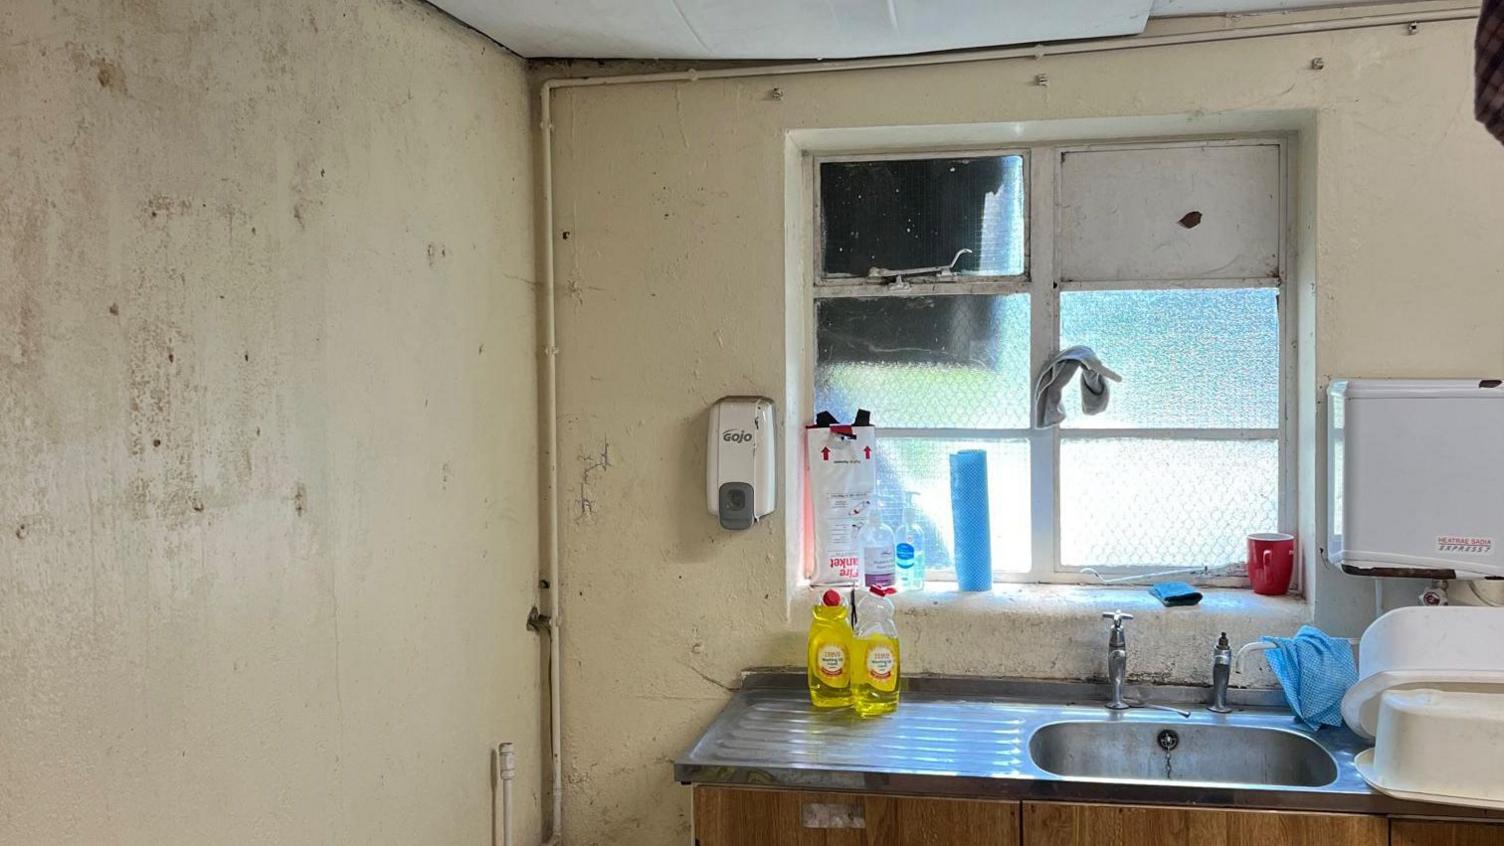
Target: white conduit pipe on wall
506,771
550,386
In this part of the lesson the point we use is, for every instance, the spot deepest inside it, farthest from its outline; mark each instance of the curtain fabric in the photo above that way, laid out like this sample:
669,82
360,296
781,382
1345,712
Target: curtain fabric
1489,95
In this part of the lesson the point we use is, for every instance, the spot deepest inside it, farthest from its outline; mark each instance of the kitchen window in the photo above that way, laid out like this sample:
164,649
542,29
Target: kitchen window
945,281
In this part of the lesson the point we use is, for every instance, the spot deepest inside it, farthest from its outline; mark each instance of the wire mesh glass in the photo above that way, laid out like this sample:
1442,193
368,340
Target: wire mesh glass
1164,503
1202,358
953,361
922,465
912,213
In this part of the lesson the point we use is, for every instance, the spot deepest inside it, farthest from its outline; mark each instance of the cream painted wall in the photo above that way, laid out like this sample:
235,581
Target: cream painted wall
672,281
268,488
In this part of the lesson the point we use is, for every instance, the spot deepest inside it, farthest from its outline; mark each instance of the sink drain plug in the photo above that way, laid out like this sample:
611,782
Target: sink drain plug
1167,740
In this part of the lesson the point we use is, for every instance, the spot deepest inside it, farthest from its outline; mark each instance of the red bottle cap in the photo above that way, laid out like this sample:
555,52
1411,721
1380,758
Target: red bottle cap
831,598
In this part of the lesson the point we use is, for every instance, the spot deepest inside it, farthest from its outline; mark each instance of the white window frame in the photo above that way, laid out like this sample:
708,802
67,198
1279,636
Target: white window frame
1042,282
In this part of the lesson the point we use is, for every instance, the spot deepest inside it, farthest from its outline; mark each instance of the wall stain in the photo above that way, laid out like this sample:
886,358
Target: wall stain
27,406
162,398
163,207
309,192
107,72
300,499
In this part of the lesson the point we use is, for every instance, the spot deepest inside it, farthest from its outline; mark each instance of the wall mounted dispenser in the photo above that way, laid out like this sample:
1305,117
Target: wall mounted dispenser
741,461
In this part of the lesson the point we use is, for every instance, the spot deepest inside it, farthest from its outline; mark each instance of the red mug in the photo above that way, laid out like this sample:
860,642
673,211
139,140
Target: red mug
1271,562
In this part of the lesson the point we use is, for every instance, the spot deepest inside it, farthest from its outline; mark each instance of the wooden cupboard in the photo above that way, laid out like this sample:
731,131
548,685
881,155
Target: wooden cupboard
744,817
1061,824
737,816
1445,833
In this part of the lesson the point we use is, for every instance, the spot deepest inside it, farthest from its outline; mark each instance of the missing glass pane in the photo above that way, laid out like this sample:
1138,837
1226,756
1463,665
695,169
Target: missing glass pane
902,213
956,361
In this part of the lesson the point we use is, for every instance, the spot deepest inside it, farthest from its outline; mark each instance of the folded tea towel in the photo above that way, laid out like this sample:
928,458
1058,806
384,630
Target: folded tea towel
1174,594
1315,669
1053,378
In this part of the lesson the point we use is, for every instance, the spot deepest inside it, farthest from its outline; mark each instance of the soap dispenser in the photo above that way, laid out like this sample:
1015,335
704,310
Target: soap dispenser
876,671
828,657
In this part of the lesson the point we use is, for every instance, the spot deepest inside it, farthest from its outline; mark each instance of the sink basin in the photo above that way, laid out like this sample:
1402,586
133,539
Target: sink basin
1151,751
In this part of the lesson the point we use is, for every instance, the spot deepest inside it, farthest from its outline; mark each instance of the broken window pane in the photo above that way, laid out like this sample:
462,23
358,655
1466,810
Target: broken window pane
953,361
910,213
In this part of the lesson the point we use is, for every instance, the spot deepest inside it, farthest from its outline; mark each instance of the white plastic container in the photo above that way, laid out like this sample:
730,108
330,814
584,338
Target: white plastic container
1452,648
1416,475
1438,746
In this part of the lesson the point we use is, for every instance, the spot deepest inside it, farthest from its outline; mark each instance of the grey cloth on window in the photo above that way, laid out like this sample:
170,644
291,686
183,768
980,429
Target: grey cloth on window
1053,378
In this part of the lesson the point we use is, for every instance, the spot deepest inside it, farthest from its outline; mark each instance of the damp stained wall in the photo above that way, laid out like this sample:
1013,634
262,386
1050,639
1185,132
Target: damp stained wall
672,295
268,487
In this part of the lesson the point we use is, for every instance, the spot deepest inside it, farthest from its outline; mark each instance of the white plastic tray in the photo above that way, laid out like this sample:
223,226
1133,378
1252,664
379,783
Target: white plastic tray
1450,648
1364,762
1438,746
1360,706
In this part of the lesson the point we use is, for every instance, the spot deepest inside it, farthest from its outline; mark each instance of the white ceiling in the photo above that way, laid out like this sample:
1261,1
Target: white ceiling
810,29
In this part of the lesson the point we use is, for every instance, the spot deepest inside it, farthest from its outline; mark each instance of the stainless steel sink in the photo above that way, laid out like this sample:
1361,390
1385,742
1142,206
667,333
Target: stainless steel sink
1198,752
1037,740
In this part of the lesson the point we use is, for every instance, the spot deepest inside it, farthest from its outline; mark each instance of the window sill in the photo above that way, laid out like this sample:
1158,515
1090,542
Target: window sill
1074,600
1056,631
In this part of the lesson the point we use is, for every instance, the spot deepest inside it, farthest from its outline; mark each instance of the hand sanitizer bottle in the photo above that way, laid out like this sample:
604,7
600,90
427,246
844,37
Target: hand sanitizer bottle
878,545
909,551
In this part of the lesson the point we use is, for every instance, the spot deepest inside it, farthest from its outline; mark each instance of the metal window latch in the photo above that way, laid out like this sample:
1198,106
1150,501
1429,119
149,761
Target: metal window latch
943,271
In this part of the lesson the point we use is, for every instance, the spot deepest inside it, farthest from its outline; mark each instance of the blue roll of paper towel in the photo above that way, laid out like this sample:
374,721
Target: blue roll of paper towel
969,514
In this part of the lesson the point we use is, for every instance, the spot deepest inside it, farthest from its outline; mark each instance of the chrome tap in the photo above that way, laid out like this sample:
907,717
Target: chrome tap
1117,659
1117,668
1221,673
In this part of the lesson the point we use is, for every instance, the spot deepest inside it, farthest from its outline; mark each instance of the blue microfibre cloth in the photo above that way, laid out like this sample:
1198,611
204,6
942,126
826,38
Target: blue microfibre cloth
1315,669
1174,594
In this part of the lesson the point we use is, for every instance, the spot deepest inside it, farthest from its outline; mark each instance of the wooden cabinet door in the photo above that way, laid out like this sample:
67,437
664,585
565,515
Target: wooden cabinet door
1060,824
1439,833
733,816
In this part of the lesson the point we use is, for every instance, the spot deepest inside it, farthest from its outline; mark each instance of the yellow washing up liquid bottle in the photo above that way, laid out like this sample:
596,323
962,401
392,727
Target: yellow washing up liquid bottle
875,677
829,656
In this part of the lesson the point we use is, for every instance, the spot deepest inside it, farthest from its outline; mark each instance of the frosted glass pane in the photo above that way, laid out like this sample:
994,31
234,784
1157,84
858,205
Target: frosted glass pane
923,465
1190,358
958,361
919,212
1170,503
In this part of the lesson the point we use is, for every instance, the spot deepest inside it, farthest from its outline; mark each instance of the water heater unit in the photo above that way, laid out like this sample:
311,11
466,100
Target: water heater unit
1416,476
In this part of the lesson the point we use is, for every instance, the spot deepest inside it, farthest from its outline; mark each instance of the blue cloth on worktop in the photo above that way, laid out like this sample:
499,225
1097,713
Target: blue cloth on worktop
1173,594
1315,669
